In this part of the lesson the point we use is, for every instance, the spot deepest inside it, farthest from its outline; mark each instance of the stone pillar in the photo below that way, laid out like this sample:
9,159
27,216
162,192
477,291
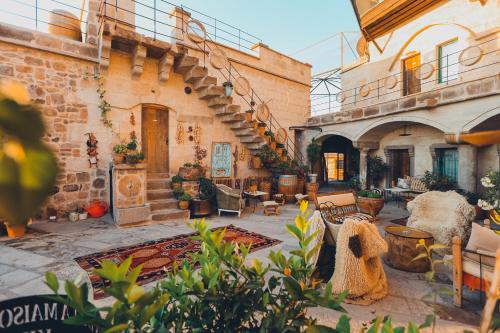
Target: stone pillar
363,166
182,17
467,167
129,194
123,11
93,22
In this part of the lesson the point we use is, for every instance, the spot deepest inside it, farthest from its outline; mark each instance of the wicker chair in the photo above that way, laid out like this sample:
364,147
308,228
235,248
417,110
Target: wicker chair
229,200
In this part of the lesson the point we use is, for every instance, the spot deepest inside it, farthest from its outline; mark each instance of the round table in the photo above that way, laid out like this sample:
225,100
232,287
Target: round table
402,243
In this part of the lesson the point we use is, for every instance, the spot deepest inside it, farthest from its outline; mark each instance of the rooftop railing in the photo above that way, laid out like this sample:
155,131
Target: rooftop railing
327,95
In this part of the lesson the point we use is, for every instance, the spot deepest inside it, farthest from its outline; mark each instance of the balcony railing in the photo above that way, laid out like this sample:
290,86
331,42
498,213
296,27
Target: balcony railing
328,96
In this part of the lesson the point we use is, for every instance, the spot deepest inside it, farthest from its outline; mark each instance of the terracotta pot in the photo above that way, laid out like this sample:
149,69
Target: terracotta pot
371,206
256,162
118,158
252,188
262,131
312,190
183,205
272,145
268,139
15,230
190,173
279,151
200,208
255,125
248,116
284,158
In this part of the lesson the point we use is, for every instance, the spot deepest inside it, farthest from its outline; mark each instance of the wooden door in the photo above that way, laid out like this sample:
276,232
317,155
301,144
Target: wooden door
400,164
155,138
411,82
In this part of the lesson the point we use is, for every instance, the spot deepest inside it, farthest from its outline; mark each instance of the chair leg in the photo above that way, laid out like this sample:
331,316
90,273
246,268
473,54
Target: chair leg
219,212
457,272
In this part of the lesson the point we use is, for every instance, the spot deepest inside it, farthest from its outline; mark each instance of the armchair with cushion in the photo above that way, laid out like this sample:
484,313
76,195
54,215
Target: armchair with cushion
442,214
474,265
229,200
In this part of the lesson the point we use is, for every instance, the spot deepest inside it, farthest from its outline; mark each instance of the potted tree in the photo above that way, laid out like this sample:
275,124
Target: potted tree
184,201
370,202
120,151
313,155
202,206
377,169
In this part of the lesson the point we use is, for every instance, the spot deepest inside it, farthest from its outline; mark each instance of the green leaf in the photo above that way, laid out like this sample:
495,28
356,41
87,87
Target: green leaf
420,256
294,231
117,328
322,329
434,247
343,325
52,282
429,320
293,287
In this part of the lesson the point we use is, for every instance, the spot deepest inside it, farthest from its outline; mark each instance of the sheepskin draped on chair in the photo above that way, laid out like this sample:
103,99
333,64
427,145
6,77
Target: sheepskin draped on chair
316,224
358,266
442,214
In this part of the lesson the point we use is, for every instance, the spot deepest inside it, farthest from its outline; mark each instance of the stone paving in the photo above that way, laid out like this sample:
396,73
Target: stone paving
52,246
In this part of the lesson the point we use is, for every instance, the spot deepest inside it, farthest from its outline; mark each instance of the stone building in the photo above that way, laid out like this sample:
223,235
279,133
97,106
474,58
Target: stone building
427,71
160,82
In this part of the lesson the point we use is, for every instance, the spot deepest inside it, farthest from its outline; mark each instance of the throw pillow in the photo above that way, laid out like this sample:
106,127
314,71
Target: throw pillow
402,183
418,186
483,238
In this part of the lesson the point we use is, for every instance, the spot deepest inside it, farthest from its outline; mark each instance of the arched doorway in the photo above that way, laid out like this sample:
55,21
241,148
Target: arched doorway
340,160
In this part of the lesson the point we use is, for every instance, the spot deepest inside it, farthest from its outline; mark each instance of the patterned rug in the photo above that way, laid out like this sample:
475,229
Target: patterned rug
159,255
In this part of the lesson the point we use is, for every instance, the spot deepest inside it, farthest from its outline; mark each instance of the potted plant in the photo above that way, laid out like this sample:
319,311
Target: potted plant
279,149
202,206
354,184
491,197
184,201
132,145
284,156
370,202
134,158
269,136
190,171
178,191
313,155
228,88
473,199
177,181
435,182
301,171
376,170
252,185
248,115
262,128
120,151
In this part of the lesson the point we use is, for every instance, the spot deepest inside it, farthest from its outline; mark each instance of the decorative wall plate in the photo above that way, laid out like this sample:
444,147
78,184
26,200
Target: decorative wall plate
424,71
390,82
281,136
242,86
340,97
263,112
196,32
218,58
470,56
364,90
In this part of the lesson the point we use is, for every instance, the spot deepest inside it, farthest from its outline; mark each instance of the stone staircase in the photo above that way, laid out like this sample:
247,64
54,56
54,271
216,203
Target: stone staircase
161,199
208,89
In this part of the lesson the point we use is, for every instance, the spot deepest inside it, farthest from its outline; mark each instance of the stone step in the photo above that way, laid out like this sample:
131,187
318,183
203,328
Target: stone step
158,183
233,118
159,175
159,194
205,82
163,204
194,74
226,109
250,139
185,63
210,92
170,214
255,146
215,102
240,125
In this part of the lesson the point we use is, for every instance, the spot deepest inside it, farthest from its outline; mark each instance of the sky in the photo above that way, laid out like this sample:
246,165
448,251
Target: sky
290,27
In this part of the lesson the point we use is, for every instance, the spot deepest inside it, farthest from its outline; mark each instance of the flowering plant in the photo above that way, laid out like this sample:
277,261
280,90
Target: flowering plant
491,182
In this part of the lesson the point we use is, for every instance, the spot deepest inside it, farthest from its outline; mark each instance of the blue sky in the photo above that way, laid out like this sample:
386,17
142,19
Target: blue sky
286,26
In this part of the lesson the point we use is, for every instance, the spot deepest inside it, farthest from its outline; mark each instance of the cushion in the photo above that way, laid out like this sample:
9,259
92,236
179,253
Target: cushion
342,199
403,183
270,203
483,238
473,268
417,185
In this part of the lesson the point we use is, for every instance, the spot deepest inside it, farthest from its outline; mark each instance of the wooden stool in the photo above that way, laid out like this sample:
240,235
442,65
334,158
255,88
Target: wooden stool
279,198
271,207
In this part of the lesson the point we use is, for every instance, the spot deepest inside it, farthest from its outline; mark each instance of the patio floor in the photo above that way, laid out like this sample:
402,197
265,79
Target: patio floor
52,246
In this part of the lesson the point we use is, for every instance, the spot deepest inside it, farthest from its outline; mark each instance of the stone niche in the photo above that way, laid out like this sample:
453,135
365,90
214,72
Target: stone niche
129,194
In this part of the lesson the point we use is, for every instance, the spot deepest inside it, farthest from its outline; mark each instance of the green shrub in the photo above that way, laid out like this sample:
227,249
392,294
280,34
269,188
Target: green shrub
185,197
120,148
188,165
313,153
177,179
132,145
178,191
376,169
435,182
207,189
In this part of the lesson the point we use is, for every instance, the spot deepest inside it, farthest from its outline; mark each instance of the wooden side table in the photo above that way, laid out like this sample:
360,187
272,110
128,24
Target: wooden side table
402,243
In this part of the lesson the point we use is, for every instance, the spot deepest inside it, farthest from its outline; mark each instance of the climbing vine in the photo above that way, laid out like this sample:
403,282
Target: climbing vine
103,105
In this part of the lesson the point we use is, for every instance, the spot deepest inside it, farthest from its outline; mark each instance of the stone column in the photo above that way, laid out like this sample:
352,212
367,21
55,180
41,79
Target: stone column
123,11
182,18
467,167
363,166
93,22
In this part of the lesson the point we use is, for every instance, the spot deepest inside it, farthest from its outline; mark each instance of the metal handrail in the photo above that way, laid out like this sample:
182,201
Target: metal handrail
354,92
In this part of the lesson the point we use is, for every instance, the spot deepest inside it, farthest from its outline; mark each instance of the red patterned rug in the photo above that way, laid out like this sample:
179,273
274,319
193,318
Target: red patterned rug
159,255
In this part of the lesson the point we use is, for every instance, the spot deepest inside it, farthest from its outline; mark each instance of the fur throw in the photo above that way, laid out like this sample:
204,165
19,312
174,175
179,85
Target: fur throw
358,267
316,224
442,214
